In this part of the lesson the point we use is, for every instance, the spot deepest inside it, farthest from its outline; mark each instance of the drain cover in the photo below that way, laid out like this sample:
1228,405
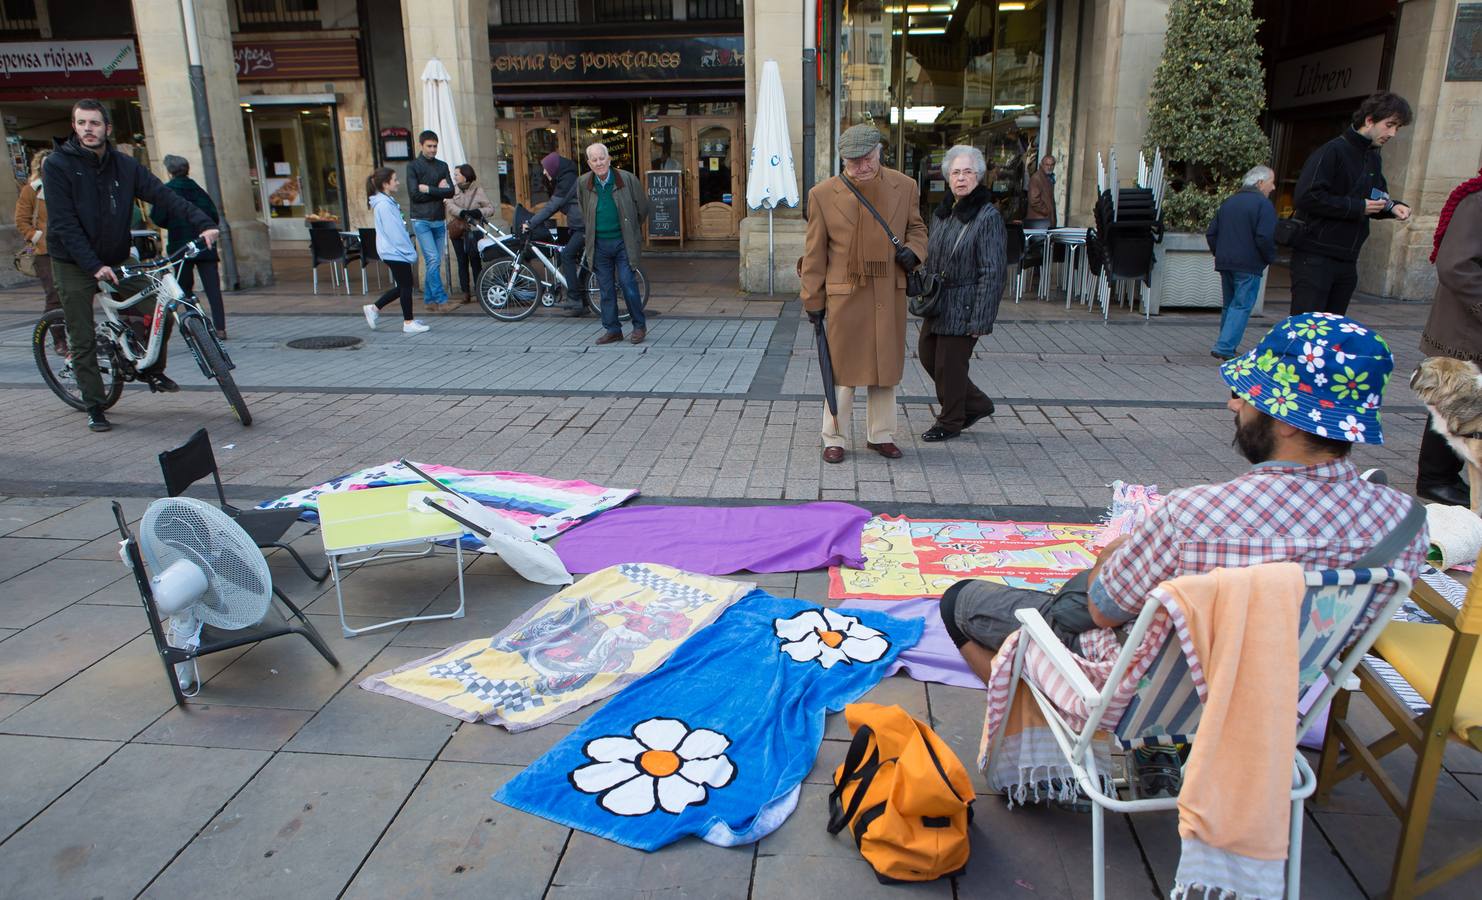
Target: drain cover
326,342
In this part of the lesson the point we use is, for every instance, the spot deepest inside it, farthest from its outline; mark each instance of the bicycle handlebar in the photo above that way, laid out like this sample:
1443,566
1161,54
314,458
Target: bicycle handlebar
189,251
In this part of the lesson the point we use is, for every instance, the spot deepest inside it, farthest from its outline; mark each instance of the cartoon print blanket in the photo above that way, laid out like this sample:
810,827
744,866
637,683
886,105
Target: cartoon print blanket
716,741
578,646
546,506
923,557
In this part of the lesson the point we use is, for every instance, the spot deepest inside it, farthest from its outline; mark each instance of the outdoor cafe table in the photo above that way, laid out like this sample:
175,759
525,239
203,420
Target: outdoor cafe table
375,526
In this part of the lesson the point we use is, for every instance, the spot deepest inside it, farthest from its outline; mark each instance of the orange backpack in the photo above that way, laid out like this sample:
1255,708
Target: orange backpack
903,794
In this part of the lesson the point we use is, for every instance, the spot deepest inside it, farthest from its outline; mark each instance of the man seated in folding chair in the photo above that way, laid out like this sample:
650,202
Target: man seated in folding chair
1307,392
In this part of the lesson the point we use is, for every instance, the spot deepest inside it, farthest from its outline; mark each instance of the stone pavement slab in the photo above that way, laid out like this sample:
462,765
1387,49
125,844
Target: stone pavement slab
451,839
63,644
210,725
481,742
288,673
359,723
594,868
301,827
50,586
19,555
117,828
38,770
19,512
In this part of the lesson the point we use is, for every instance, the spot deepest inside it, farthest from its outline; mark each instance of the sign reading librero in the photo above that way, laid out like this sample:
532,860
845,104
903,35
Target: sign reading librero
607,60
59,63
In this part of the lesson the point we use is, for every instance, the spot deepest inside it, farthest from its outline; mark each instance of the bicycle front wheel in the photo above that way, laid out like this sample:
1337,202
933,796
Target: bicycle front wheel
205,343
508,291
594,293
49,347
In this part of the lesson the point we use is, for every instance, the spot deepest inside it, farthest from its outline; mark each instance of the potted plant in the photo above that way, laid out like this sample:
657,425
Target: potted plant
1208,95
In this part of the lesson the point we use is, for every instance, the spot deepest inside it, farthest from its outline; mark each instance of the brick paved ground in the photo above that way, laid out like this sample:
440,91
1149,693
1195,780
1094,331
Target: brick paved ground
108,790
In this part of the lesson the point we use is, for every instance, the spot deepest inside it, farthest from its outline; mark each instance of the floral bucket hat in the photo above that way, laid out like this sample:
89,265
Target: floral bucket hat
1322,373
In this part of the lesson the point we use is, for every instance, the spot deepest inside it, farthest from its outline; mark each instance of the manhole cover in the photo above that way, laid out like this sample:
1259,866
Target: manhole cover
326,342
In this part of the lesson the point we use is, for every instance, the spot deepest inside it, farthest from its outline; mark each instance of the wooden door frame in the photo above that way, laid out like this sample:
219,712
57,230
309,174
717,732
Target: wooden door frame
734,124
561,125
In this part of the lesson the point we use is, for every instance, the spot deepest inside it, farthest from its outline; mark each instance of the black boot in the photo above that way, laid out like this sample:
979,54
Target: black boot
96,421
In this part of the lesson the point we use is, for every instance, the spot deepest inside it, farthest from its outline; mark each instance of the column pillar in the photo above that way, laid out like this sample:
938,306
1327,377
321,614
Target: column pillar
1426,161
457,33
774,30
171,117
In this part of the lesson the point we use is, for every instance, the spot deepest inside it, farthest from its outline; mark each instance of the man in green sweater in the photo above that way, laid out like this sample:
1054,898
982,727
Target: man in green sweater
613,207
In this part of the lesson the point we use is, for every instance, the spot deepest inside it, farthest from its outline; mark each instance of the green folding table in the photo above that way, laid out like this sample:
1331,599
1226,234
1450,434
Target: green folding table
376,526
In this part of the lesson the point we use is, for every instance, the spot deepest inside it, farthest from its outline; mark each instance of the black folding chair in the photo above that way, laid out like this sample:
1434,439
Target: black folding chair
326,245
212,640
192,461
369,254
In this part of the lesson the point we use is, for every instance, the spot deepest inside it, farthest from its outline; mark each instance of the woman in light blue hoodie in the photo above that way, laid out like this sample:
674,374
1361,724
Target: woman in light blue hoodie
394,247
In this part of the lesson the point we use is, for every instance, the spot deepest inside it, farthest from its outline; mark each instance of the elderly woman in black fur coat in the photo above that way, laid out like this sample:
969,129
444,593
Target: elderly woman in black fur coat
968,247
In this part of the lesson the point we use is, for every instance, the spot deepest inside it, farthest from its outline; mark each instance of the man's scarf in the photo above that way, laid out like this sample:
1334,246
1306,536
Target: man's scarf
870,251
1463,190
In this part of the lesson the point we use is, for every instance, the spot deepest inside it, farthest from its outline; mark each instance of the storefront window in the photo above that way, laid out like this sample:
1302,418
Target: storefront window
294,164
933,74
604,123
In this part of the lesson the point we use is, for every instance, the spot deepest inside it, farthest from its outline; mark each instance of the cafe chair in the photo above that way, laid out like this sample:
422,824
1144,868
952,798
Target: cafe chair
368,254
327,245
193,461
1428,685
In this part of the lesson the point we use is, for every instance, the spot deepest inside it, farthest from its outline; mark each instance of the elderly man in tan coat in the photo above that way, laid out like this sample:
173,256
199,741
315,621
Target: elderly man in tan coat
855,278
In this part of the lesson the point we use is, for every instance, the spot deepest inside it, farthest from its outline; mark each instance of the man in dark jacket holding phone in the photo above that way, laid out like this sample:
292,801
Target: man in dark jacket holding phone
90,192
561,174
430,183
1341,188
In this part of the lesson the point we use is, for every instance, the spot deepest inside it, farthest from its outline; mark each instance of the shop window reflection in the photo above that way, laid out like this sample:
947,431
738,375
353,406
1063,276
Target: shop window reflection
538,143
933,74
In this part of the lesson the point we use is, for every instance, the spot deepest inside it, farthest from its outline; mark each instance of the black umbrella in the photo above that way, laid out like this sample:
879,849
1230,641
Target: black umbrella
826,368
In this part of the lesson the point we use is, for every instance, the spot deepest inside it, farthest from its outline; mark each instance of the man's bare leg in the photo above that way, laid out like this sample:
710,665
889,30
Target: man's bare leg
979,659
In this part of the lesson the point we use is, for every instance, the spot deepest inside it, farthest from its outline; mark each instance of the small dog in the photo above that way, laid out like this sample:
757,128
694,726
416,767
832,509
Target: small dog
1452,390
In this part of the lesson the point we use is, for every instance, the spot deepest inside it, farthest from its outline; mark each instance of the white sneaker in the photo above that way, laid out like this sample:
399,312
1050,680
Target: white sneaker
414,327
371,315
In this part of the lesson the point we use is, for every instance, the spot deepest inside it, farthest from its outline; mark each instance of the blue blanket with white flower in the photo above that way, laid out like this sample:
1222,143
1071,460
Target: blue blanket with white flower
717,740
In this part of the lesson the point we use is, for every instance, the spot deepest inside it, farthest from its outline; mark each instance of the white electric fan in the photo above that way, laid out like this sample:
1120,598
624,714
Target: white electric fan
207,571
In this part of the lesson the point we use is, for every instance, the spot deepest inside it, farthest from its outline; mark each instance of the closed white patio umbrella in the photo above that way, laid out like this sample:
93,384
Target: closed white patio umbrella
772,180
438,114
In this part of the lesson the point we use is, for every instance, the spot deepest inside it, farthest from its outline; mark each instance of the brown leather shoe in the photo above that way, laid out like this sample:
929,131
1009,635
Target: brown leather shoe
609,337
887,450
638,335
833,454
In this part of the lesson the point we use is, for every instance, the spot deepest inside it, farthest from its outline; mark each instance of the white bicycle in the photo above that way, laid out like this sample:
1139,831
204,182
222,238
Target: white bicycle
121,355
509,289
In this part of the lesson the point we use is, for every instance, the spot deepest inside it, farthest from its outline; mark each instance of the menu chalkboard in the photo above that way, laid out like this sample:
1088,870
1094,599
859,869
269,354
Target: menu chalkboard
665,190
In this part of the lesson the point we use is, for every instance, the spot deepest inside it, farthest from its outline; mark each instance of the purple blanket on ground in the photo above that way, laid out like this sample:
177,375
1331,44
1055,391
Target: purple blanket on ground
934,657
716,540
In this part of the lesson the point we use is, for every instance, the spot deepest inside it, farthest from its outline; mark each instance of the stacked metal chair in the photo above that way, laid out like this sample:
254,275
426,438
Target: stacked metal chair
1129,222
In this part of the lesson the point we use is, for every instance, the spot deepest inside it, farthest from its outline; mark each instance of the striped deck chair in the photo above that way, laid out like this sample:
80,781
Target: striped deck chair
1340,621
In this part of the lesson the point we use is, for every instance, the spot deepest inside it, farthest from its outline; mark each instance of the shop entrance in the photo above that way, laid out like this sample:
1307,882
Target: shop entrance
704,148
296,168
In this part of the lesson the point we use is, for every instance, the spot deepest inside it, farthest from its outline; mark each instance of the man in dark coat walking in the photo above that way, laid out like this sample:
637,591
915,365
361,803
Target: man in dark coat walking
1242,237
1341,188
90,191
562,175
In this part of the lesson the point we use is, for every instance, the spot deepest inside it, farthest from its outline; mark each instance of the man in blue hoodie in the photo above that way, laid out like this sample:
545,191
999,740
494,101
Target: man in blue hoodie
1242,238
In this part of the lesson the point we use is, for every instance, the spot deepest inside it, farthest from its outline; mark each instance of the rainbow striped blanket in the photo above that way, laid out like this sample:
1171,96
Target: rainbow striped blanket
546,506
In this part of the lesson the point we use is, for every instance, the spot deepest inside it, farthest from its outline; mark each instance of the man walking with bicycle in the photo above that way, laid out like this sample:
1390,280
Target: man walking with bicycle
90,190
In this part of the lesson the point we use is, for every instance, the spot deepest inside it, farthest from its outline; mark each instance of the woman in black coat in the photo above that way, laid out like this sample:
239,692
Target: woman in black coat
968,248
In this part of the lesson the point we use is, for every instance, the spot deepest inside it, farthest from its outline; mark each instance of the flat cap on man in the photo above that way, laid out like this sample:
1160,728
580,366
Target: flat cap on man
858,140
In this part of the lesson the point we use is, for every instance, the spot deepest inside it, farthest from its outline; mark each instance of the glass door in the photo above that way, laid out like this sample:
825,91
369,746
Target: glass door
506,174
321,165
281,182
715,177
537,138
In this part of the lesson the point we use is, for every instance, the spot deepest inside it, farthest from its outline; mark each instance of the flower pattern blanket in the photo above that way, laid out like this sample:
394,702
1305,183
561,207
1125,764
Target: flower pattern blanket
716,741
546,506
578,646
907,558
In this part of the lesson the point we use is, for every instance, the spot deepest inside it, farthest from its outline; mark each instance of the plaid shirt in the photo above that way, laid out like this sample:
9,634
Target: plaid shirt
1322,516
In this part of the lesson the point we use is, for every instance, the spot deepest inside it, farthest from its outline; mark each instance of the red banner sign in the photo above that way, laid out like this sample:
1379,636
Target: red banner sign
297,60
69,63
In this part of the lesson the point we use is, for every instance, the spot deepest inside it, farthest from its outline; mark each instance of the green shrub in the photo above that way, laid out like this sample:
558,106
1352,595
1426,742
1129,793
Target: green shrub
1207,99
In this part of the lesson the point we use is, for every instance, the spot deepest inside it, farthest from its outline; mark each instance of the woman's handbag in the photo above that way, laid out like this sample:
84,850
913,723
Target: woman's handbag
927,303
25,260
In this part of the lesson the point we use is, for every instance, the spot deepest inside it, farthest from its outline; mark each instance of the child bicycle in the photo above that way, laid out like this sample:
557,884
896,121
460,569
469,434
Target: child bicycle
509,288
121,355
